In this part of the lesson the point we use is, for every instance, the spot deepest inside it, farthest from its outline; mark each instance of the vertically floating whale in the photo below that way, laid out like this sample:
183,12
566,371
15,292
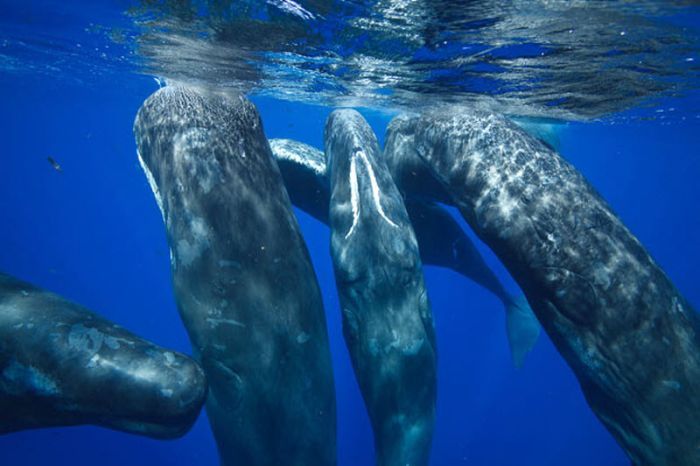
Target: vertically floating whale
243,280
387,321
443,243
62,365
441,240
415,179
630,337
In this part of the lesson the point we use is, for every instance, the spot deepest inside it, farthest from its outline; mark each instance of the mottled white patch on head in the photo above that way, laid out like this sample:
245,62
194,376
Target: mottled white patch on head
507,204
112,343
19,379
169,358
189,149
601,276
199,229
146,371
190,250
86,339
186,252
93,362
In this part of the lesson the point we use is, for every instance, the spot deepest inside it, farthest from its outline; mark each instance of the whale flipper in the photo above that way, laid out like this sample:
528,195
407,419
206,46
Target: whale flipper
522,328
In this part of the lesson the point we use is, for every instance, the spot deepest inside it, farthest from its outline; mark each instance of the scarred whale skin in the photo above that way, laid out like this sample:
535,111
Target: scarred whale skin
387,321
62,365
242,276
441,240
631,339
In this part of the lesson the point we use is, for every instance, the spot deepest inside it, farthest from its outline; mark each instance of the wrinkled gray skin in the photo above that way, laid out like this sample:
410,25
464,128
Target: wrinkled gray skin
387,321
416,181
62,365
629,336
243,280
441,240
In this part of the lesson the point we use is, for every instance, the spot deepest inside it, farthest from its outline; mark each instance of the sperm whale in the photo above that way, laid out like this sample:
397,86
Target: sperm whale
631,339
441,240
243,280
62,365
387,320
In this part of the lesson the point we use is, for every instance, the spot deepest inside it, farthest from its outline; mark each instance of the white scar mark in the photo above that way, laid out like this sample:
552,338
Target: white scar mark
355,192
216,322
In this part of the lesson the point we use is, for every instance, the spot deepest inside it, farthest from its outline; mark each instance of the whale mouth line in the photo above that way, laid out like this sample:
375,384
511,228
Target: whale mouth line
355,191
354,196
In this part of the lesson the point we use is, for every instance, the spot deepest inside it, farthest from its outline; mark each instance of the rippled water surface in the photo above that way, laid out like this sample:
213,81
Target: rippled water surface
548,58
613,85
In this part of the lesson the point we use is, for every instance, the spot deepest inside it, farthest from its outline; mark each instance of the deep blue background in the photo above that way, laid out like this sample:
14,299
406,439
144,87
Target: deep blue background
93,234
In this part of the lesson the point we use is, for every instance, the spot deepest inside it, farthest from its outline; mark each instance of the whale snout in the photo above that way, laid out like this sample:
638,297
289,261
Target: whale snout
183,395
162,395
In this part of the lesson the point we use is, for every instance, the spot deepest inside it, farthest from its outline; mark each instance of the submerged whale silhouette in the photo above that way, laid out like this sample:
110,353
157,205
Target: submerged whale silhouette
630,337
62,365
242,276
441,240
387,321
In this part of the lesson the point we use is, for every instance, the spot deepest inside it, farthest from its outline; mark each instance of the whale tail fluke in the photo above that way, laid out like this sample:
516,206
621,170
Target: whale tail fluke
523,329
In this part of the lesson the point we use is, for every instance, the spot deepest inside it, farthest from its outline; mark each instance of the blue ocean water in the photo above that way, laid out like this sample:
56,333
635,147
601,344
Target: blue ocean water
92,233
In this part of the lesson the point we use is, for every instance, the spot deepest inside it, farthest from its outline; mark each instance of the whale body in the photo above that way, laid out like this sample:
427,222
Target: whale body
387,320
242,277
441,240
63,365
629,336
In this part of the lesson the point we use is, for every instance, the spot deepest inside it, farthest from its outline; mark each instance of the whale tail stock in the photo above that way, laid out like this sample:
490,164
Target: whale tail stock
522,328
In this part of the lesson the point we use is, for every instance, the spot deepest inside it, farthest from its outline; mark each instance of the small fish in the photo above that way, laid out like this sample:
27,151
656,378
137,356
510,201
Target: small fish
56,166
